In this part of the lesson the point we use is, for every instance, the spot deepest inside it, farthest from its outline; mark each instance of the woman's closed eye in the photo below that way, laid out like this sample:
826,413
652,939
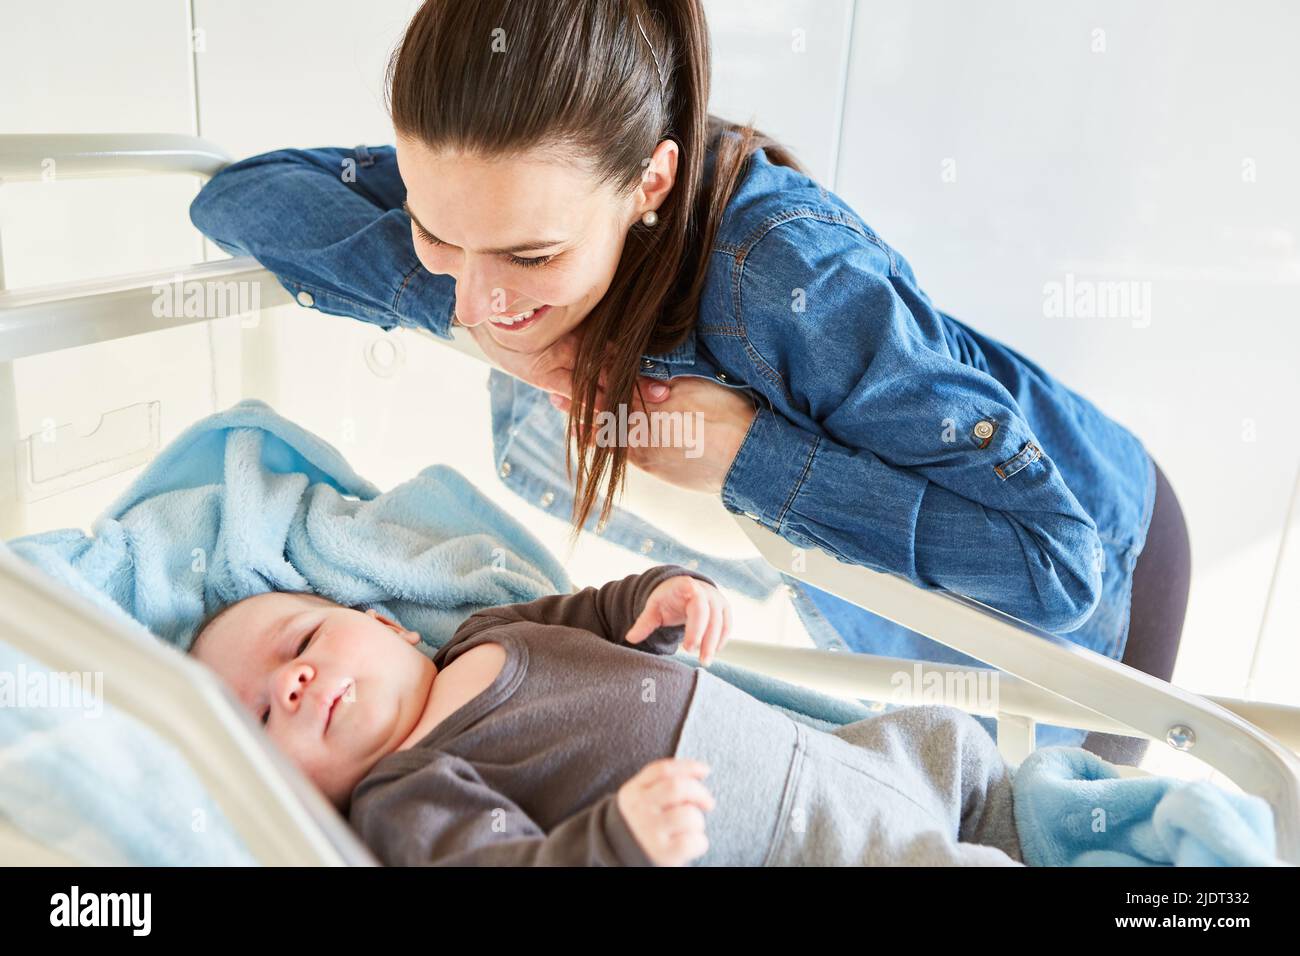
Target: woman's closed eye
526,263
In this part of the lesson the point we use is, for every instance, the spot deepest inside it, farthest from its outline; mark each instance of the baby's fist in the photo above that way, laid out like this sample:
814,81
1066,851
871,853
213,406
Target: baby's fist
697,604
664,806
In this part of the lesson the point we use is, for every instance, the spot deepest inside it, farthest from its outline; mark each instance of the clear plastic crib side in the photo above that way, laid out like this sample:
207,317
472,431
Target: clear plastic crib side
284,820
280,817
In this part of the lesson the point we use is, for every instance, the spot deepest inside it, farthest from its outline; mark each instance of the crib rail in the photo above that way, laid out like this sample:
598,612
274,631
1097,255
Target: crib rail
34,156
43,319
899,680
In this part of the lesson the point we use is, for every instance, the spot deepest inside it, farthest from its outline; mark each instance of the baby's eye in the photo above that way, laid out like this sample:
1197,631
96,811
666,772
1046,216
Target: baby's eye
307,640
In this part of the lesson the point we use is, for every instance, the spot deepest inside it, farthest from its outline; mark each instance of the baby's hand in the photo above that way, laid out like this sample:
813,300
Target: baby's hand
683,599
664,806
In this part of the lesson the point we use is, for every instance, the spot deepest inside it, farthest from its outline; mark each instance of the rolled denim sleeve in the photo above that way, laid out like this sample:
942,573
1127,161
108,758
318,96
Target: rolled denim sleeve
329,223
885,451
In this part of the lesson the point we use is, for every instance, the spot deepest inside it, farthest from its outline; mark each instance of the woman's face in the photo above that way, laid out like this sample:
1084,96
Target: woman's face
523,233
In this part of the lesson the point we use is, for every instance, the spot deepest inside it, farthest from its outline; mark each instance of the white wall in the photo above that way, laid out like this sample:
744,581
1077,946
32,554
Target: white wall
1126,163
1152,142
84,67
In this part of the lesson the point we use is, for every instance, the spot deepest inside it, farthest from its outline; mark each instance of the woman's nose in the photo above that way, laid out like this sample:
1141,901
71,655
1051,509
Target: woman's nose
291,684
479,296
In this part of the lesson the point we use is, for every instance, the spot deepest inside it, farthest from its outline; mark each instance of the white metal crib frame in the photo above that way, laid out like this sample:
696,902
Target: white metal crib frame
280,816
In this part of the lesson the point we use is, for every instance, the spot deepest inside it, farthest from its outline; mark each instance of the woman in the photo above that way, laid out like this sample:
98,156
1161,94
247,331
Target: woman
559,188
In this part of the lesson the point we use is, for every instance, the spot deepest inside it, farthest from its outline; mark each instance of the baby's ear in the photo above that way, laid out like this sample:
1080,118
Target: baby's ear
409,636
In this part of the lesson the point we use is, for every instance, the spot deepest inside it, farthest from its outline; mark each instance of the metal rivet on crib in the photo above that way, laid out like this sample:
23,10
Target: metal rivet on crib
1181,737
505,468
547,498
647,545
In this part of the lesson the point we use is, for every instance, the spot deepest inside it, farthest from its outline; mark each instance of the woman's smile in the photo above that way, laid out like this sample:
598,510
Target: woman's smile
527,319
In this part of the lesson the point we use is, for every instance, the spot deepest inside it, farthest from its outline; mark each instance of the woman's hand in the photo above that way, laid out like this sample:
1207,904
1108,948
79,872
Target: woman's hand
713,424
698,605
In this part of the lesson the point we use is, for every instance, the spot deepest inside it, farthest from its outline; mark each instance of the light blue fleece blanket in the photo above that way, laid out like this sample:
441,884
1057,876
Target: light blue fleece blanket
246,501
1073,809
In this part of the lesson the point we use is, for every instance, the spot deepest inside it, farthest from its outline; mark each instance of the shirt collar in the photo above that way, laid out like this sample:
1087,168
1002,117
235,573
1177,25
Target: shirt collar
683,354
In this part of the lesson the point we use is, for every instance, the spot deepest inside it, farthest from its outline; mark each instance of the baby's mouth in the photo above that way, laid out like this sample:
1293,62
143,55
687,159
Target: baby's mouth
329,713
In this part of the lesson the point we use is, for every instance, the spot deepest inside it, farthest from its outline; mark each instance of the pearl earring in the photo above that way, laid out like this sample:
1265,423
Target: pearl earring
650,218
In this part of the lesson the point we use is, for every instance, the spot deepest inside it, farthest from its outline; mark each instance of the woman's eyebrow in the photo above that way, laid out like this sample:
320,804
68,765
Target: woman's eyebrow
529,246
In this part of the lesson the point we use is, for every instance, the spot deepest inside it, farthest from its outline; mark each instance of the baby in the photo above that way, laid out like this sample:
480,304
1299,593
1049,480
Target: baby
564,732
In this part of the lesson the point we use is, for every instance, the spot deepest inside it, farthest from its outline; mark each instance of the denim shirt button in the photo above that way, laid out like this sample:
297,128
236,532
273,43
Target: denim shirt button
647,545
647,364
722,376
750,514
306,299
547,498
505,469
693,564
983,429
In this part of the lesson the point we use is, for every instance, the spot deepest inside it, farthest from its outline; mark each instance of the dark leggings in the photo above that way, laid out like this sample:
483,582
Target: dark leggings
1160,583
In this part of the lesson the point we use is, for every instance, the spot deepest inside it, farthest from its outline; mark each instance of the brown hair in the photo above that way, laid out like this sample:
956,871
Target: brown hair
580,75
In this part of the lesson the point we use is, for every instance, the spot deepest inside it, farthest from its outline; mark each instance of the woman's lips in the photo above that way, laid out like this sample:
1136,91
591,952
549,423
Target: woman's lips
533,319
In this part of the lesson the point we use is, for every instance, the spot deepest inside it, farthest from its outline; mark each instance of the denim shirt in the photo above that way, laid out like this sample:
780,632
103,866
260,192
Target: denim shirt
888,433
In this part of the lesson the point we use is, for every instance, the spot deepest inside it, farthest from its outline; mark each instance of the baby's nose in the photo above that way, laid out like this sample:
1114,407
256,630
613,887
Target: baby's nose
293,685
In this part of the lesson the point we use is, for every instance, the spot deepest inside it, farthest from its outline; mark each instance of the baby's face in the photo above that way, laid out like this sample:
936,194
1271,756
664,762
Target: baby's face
336,689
